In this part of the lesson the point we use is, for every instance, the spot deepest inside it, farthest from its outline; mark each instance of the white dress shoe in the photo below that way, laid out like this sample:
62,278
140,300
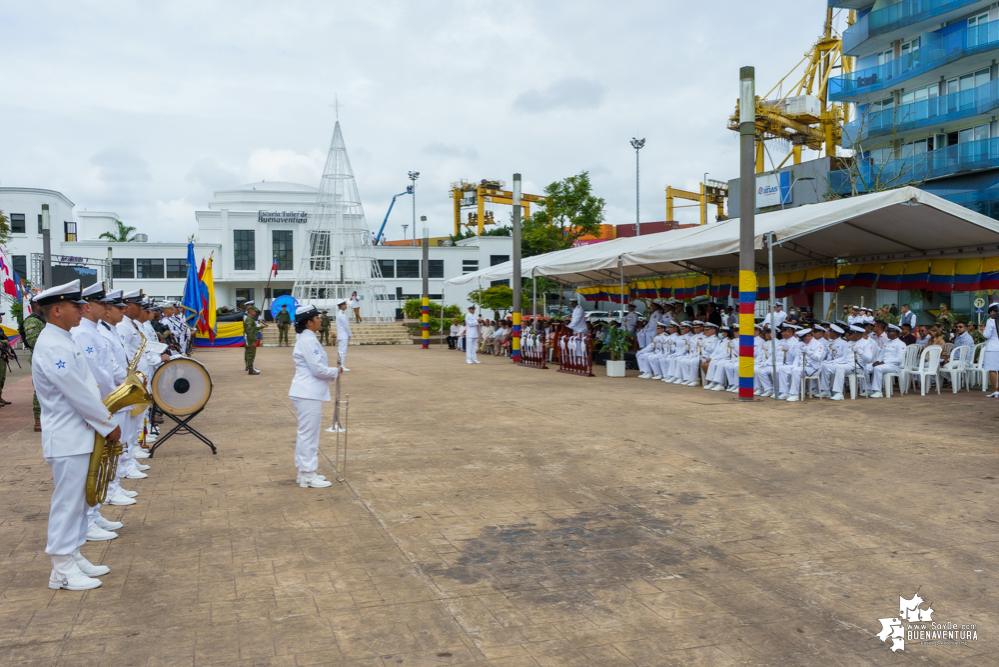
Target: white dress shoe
346,370
126,492
108,525
657,377
311,481
677,380
67,574
140,453
142,467
136,474
303,475
644,376
336,428
876,394
767,394
782,397
792,399
994,395
718,387
733,390
97,534
120,499
89,568
757,392
836,397
824,394
474,362
467,361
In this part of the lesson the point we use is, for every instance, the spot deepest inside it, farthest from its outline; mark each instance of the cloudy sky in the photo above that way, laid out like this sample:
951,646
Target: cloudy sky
146,108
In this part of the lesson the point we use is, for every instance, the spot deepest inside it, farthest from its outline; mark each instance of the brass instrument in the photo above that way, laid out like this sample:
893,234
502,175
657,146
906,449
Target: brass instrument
104,459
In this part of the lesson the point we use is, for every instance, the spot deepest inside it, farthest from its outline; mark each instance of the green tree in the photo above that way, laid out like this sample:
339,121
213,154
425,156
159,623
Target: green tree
4,228
121,234
570,211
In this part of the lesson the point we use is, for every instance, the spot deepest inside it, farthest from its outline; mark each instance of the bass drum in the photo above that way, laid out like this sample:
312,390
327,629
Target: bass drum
181,386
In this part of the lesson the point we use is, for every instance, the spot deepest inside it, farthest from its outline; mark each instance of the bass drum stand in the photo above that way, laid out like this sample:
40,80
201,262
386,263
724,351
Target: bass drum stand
181,388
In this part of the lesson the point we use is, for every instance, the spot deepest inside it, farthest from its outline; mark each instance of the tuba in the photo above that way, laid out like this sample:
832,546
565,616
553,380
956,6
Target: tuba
104,458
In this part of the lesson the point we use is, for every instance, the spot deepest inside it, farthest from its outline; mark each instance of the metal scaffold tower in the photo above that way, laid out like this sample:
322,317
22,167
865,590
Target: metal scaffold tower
339,256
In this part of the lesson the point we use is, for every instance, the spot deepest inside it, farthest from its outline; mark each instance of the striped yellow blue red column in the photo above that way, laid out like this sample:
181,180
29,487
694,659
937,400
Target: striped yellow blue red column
515,340
747,350
426,322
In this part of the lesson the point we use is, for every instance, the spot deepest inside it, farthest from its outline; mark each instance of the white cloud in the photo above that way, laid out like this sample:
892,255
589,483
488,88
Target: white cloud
267,164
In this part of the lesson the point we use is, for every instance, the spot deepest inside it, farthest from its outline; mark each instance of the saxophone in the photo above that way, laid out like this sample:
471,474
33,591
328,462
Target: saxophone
104,458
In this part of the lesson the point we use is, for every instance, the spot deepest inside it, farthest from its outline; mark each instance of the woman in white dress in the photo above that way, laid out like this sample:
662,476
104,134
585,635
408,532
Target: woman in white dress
990,362
309,390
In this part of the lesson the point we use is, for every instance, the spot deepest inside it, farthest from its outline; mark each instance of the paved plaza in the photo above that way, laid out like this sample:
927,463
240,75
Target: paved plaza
506,516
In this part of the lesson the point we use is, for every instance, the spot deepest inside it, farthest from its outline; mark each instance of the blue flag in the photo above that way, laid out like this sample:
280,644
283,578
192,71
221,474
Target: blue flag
192,290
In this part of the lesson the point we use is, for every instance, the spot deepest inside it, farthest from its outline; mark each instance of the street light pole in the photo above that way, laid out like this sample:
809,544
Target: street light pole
637,144
747,229
46,248
425,270
413,175
517,287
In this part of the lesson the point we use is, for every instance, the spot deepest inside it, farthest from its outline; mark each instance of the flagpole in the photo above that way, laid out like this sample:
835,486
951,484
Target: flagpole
267,290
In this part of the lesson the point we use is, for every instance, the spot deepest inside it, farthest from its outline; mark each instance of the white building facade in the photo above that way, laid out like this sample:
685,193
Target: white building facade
246,230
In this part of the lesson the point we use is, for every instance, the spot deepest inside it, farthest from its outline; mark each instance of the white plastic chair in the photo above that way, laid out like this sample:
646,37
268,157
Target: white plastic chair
912,353
976,373
929,366
857,378
806,386
947,349
958,367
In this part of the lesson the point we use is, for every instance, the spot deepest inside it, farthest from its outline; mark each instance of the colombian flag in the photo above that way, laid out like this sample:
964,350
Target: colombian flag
942,275
614,294
916,275
763,288
866,275
665,288
780,282
795,283
891,276
815,279
990,273
968,275
700,286
845,274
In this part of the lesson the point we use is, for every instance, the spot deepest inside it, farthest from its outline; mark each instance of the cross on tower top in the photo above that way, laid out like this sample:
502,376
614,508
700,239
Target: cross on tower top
336,106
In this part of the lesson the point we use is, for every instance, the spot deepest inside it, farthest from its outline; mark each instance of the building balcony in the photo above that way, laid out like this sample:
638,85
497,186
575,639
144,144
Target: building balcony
914,169
985,202
907,14
934,111
981,40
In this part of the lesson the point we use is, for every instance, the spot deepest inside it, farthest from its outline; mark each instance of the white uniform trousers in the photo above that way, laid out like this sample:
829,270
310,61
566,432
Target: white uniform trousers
470,354
840,373
68,513
657,363
878,375
310,421
716,372
341,346
643,338
784,374
764,376
643,361
732,372
690,369
671,367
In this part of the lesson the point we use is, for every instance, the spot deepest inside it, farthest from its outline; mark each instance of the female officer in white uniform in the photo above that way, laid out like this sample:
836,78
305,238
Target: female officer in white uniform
309,389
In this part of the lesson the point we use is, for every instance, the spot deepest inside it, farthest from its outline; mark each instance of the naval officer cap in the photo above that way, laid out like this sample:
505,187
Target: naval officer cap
305,313
341,302
838,329
247,304
803,332
994,304
114,298
895,328
135,296
710,325
68,293
93,292
723,328
854,327
819,327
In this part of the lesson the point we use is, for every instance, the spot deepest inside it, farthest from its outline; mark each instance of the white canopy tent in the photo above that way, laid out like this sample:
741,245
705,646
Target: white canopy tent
900,224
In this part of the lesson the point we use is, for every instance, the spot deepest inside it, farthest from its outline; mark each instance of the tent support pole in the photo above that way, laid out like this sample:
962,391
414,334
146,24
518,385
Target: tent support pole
773,313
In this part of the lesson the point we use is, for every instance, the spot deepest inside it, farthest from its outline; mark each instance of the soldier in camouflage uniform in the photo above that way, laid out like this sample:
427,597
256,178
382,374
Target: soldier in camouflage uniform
945,320
284,323
33,325
885,315
250,331
324,329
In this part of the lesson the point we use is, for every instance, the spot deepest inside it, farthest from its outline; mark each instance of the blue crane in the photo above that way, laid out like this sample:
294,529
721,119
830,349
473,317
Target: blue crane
409,191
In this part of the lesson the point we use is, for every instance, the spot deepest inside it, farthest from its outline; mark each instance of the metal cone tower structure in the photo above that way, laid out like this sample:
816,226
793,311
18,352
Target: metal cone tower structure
339,258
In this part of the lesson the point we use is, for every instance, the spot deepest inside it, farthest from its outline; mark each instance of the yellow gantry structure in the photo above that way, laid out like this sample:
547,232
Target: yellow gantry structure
803,115
466,194
713,193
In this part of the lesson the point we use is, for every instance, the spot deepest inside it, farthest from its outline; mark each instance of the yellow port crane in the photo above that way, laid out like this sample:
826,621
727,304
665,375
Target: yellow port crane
465,194
803,116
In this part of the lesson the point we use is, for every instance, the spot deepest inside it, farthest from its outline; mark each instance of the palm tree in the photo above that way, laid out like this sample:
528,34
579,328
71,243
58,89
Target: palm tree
121,235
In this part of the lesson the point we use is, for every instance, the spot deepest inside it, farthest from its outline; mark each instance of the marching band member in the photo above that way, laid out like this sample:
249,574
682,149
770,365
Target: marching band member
310,388
650,331
343,333
97,354
71,412
471,335
890,359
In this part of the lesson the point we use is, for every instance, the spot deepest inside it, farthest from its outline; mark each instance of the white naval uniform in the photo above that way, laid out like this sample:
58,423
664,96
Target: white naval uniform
310,388
789,376
648,332
124,419
343,335
659,361
630,321
857,357
990,353
71,412
471,336
578,322
892,357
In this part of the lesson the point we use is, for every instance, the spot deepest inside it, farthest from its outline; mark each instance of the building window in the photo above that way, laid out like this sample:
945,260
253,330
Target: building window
407,268
243,295
436,268
469,266
70,230
17,223
150,268
494,283
387,267
122,268
243,242
39,223
283,242
319,251
21,266
276,292
498,259
176,268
